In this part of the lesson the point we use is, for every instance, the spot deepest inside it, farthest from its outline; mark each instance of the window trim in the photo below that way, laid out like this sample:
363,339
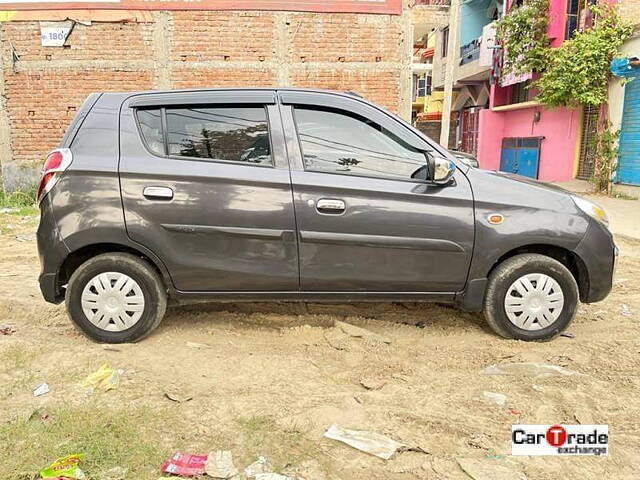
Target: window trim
358,175
143,138
164,125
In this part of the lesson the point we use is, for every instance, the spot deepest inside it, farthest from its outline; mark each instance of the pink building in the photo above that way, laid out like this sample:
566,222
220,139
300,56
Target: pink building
517,134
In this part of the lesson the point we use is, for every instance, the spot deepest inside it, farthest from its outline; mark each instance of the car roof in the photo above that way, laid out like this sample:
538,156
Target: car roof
345,93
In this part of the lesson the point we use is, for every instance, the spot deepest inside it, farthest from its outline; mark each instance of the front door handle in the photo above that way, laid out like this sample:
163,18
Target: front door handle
330,206
158,193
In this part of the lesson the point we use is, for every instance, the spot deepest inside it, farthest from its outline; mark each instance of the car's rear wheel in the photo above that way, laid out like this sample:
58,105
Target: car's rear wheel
116,298
530,297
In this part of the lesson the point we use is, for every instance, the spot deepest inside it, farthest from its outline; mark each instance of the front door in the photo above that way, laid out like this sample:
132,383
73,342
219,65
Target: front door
205,186
469,127
366,221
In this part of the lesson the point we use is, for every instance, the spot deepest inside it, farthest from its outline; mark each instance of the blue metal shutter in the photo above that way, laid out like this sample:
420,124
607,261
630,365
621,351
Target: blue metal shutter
629,154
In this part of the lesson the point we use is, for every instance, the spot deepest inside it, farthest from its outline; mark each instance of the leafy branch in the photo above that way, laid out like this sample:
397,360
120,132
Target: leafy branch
577,72
522,33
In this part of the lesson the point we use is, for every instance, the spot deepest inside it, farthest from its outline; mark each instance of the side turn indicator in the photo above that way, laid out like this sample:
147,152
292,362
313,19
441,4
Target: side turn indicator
495,219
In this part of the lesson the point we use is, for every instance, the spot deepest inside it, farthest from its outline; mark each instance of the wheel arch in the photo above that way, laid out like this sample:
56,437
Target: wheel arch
569,259
82,254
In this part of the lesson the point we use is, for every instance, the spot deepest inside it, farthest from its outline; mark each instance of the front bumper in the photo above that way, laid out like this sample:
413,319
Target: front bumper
599,254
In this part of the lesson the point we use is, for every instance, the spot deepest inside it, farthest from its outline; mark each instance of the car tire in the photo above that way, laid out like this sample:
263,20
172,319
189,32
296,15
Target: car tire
116,298
530,297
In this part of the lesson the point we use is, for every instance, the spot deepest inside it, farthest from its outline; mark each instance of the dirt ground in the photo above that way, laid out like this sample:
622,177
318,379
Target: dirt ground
265,380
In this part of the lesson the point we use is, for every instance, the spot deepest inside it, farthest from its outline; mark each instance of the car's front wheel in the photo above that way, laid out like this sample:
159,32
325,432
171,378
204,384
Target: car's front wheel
530,297
116,298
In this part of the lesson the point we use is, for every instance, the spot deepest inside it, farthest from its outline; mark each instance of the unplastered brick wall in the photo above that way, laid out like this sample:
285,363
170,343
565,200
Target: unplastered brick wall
41,88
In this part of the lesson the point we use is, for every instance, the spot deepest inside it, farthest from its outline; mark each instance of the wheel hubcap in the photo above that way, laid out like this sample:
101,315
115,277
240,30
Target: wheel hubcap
112,301
534,301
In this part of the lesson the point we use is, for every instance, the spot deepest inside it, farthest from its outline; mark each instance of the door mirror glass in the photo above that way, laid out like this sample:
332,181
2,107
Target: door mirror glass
443,170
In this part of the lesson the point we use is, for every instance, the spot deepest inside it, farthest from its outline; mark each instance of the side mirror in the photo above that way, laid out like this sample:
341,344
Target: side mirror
443,170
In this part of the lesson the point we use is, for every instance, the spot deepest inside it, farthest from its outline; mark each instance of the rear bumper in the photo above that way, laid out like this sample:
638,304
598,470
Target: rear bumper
52,251
50,289
599,253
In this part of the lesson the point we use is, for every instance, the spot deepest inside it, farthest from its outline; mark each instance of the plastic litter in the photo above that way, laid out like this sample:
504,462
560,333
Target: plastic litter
271,476
110,348
177,396
371,384
43,415
198,346
490,469
115,473
26,237
7,330
358,332
105,378
185,465
41,390
625,310
66,467
368,442
497,398
261,465
219,464
531,369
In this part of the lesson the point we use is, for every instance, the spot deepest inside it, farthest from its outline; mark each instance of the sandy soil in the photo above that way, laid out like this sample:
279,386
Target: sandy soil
275,361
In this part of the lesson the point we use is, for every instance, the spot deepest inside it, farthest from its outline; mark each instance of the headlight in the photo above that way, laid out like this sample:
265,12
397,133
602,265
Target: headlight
591,209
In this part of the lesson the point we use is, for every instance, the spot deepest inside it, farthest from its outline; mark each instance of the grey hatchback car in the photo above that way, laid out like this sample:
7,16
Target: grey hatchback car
298,195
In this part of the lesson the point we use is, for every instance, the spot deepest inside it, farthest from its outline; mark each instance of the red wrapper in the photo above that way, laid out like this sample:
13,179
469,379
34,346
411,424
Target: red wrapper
185,465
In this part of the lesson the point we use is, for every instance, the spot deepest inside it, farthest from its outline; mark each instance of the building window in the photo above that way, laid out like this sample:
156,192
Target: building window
424,86
421,87
445,41
573,12
520,92
578,16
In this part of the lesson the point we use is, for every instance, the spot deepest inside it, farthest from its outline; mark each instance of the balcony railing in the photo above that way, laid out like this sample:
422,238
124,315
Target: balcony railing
470,51
432,2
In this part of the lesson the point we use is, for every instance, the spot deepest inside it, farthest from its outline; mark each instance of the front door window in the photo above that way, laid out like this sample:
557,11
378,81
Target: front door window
337,142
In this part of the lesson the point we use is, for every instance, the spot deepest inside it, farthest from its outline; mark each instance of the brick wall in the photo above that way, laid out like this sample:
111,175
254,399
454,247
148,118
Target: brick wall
41,90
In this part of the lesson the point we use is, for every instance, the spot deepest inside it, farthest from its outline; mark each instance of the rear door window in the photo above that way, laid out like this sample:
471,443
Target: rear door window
150,122
209,133
237,134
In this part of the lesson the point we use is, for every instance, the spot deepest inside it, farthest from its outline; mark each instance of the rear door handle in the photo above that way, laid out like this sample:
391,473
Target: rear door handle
330,206
158,193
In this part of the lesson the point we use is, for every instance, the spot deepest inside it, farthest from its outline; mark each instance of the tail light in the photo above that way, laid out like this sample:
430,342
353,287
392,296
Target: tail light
57,162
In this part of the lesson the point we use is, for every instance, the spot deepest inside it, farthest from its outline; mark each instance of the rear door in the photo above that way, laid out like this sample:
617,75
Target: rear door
205,186
367,220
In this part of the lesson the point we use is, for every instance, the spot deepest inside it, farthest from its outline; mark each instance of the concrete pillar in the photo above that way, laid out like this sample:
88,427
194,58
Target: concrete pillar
281,22
6,153
406,76
452,57
162,50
